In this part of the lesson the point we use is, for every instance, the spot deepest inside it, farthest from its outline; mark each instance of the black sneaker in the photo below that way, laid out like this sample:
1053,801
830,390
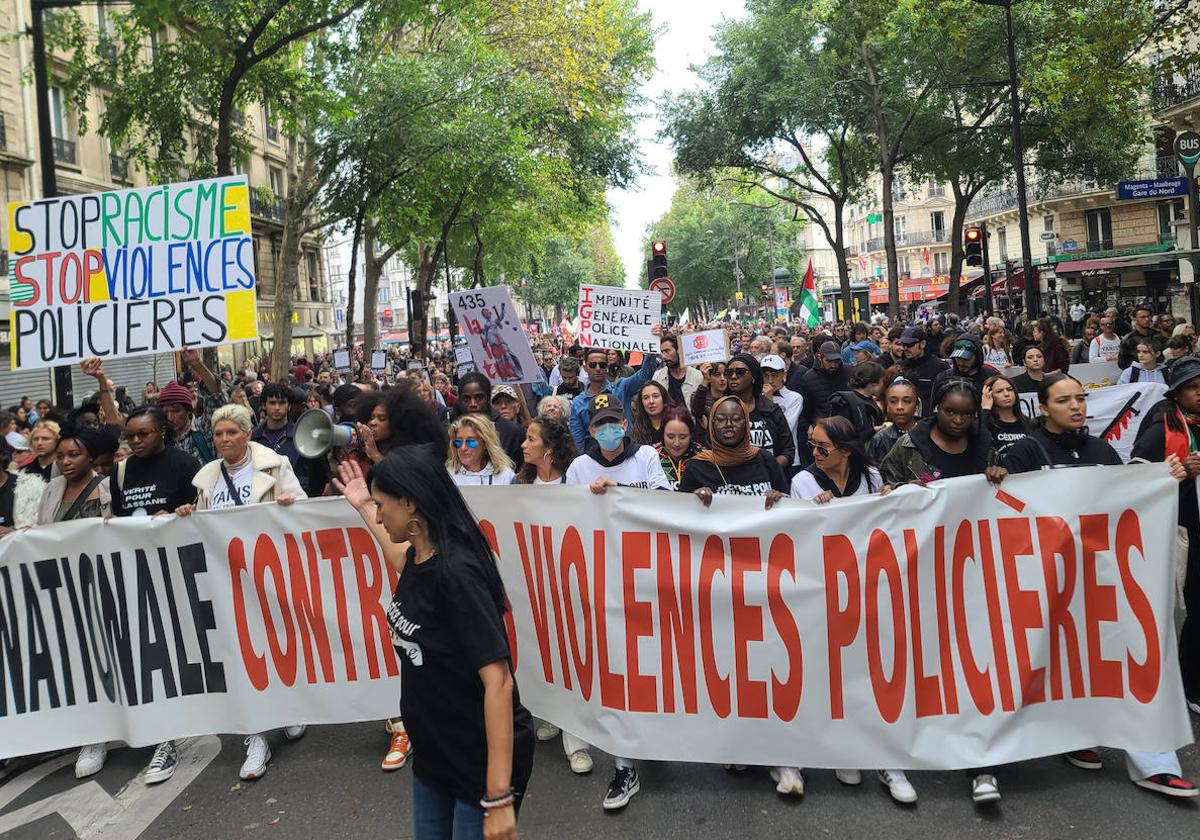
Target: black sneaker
622,788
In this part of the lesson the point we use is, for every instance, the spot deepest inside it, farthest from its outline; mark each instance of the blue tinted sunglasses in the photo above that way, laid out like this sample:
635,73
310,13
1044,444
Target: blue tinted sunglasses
471,444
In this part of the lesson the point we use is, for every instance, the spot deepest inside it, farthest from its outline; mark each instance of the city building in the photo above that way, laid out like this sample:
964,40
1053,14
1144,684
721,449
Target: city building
87,163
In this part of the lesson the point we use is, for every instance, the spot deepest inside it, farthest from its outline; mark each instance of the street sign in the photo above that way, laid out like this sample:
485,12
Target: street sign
872,218
1187,148
1152,188
1070,245
1048,235
664,287
739,296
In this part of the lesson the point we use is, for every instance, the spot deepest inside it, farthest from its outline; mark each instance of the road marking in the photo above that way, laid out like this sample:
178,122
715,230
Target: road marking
91,812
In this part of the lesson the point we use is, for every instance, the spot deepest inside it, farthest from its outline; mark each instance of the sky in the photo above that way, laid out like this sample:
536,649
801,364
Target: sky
685,40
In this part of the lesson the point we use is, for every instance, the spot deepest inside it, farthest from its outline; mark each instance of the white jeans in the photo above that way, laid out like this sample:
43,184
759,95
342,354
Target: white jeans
571,744
1142,764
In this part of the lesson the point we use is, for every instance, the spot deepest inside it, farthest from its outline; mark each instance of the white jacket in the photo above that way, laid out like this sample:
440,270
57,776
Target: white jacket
692,380
273,477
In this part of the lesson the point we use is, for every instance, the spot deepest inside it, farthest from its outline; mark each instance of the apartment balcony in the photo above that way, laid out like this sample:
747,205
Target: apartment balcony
1168,95
64,151
118,168
912,239
274,209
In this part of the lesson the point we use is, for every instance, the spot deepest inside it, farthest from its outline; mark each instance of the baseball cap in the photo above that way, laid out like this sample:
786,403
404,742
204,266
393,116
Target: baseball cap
1182,371
772,362
830,351
605,407
912,335
963,350
504,391
867,346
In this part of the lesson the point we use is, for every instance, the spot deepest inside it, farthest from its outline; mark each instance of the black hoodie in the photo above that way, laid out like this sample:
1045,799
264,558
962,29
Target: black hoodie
769,428
978,373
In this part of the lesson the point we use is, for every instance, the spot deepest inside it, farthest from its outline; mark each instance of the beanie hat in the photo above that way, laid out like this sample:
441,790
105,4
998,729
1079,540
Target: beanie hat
174,394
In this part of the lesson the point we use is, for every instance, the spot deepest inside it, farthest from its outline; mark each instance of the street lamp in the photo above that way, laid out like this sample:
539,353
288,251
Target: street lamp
1032,285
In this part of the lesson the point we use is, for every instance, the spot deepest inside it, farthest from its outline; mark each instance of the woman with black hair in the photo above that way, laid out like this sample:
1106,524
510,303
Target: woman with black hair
475,397
1001,413
768,425
679,444
396,417
473,740
78,491
947,445
901,408
1034,360
549,449
1062,441
860,404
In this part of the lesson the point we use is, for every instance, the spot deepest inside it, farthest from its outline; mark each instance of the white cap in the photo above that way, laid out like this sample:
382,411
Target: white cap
773,362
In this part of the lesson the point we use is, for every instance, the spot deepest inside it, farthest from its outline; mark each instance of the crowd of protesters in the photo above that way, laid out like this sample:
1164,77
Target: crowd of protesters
846,409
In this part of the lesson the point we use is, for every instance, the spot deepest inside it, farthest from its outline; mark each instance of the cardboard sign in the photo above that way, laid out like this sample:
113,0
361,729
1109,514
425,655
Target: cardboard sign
341,358
131,272
378,360
618,319
707,346
498,345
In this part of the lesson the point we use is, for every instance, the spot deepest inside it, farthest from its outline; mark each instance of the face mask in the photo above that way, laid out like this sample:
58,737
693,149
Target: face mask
609,436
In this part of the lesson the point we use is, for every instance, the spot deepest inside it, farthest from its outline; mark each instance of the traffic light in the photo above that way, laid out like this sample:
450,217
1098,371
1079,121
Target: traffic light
658,260
973,245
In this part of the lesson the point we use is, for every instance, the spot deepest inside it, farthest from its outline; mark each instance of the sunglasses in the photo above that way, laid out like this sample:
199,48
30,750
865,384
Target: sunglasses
820,449
597,365
739,371
140,435
471,443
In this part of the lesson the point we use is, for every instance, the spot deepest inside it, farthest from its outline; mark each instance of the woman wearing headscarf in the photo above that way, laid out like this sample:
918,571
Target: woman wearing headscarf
768,425
732,465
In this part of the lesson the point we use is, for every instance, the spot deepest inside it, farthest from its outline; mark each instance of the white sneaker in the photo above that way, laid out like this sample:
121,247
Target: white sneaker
295,733
91,760
1194,706
985,789
581,762
899,786
788,780
257,756
547,731
848,777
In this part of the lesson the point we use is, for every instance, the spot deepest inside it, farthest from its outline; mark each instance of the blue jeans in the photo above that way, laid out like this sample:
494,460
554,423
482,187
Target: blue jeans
439,816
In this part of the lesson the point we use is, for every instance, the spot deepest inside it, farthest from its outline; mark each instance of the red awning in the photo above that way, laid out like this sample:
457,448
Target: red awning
1000,285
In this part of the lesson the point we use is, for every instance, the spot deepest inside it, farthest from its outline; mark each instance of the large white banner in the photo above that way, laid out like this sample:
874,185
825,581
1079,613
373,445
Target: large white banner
944,627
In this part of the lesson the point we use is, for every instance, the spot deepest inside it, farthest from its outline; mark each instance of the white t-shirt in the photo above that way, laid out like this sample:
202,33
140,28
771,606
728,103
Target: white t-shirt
1101,347
805,487
485,477
242,479
791,404
562,479
641,469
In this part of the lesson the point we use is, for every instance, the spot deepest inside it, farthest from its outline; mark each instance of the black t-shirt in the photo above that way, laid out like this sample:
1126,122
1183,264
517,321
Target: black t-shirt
160,482
951,464
572,390
446,626
751,478
1024,384
675,389
1005,433
6,501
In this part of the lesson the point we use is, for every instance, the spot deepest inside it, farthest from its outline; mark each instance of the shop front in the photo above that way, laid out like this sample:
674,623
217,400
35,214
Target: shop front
1102,284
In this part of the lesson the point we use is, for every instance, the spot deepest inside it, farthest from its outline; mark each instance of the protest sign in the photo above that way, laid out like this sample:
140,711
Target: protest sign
341,359
707,346
378,360
618,319
933,628
498,345
131,272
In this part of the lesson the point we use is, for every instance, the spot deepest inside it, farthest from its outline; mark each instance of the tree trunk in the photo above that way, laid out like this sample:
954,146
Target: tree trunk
426,272
372,271
956,249
839,253
889,239
477,265
352,279
288,280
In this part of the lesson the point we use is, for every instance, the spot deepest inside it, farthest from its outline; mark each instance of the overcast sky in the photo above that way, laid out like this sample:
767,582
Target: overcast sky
687,26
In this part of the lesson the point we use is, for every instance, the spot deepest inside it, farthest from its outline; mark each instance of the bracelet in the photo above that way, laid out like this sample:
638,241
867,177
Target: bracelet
499,802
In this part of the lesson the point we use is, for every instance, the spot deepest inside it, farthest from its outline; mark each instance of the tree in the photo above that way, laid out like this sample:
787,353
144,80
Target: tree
774,111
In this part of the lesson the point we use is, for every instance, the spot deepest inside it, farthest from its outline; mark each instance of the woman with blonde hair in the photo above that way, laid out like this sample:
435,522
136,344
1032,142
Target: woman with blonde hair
475,455
997,351
245,473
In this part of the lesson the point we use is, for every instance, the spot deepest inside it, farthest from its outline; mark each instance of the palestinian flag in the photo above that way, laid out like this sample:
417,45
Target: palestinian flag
809,310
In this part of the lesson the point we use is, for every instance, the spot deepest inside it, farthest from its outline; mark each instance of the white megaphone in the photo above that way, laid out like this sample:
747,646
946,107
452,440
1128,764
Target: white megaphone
316,434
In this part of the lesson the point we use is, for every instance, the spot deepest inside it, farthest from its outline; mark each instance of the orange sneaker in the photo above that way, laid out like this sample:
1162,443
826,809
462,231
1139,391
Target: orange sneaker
398,751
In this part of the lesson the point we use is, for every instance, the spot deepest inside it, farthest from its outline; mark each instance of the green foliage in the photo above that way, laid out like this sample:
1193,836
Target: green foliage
571,259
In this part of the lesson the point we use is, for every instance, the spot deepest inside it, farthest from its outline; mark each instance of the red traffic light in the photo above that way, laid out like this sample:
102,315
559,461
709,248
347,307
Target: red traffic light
972,234
659,247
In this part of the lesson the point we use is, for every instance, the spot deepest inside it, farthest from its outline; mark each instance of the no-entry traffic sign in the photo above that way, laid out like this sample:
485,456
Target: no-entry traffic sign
664,287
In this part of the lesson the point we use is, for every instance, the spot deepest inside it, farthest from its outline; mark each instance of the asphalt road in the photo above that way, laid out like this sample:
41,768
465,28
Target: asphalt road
329,785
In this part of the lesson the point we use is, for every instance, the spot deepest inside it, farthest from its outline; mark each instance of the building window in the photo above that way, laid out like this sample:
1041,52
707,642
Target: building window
900,227
941,262
1169,212
269,122
905,266
1099,229
937,225
276,176
1002,240
60,127
314,276
936,190
1049,223
898,188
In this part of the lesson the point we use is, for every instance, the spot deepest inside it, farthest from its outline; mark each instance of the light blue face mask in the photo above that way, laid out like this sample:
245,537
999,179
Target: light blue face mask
609,436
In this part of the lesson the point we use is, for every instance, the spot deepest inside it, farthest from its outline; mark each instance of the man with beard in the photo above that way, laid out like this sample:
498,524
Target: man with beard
920,367
820,382
680,380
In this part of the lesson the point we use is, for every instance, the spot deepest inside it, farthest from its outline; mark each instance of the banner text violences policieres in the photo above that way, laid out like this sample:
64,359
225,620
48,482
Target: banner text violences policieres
935,628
